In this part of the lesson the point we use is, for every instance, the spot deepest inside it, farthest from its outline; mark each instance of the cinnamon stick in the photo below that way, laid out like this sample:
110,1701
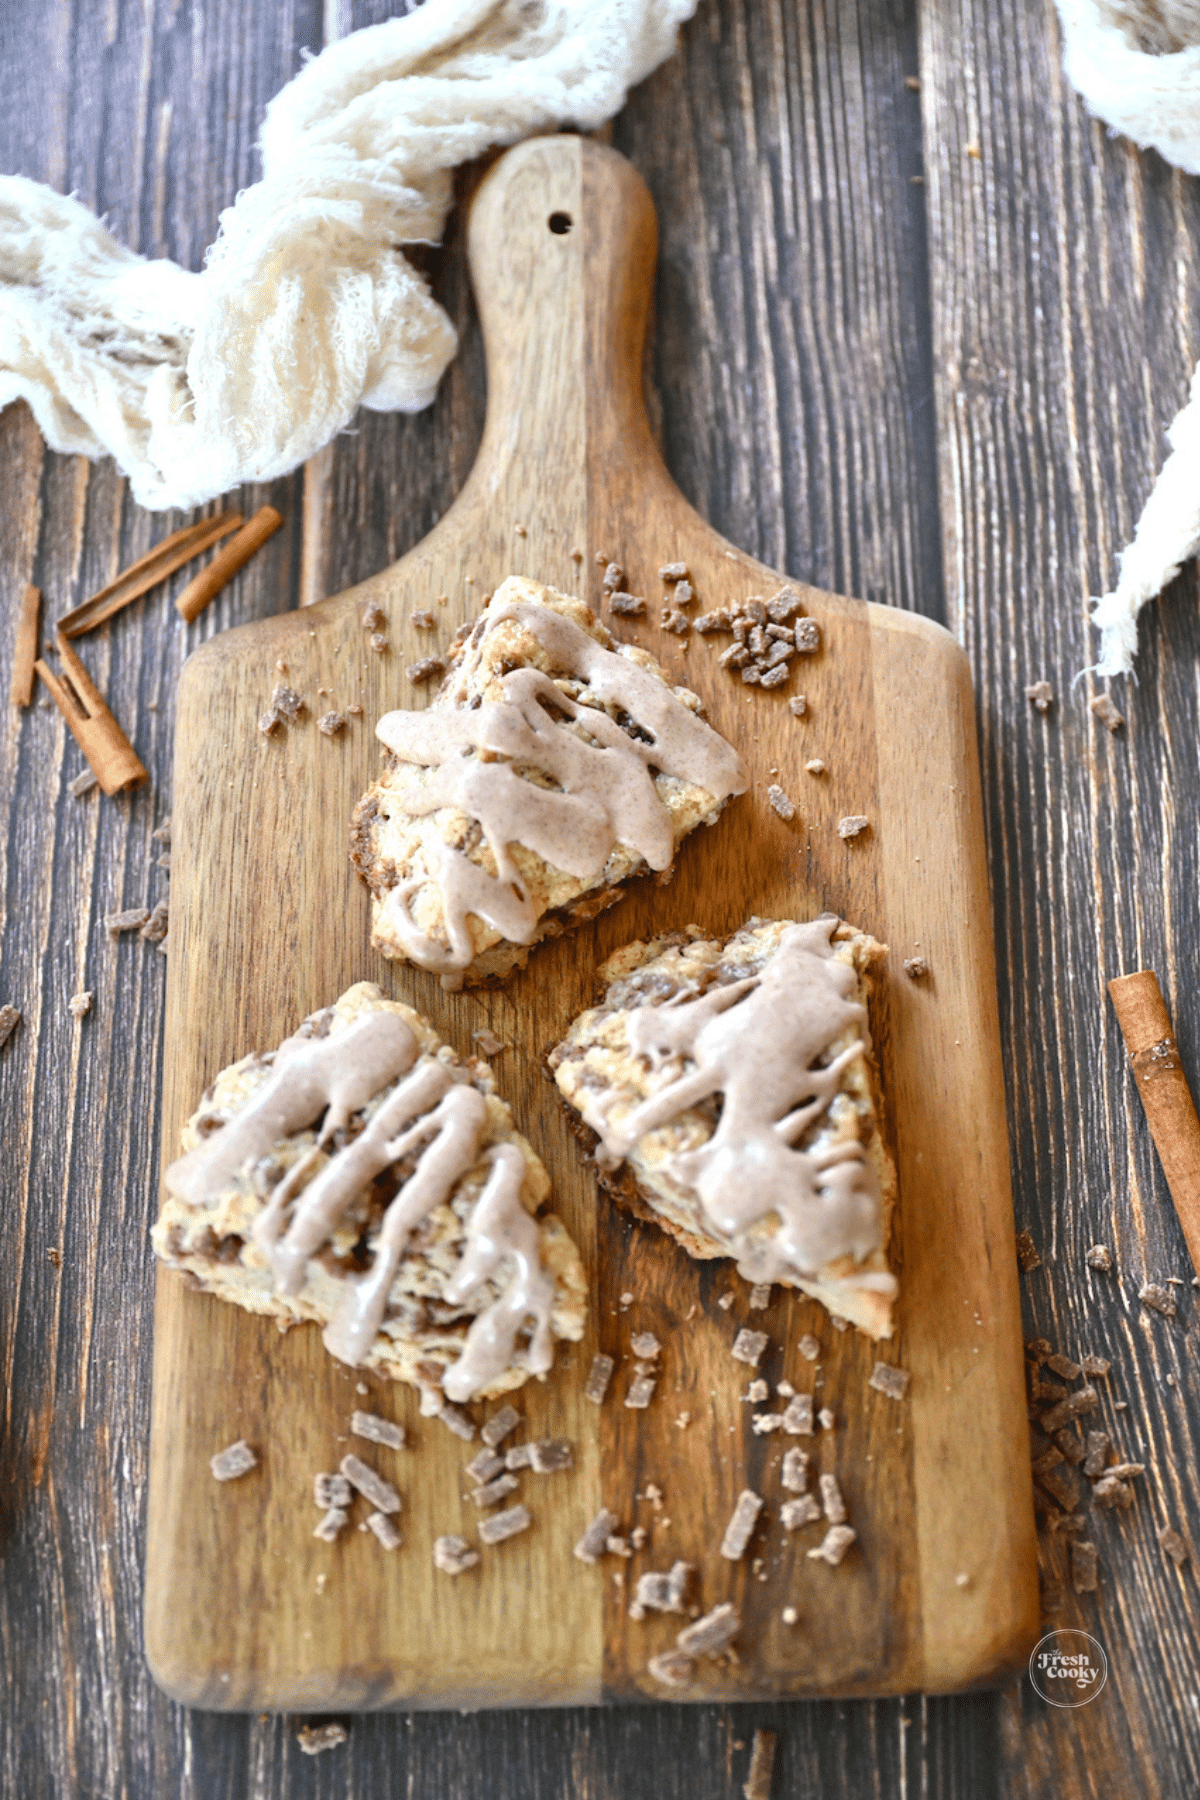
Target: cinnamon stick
147,572
205,586
111,756
1162,1084
26,651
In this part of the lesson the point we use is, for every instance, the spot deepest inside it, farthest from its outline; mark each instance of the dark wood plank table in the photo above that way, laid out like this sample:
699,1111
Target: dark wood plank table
914,343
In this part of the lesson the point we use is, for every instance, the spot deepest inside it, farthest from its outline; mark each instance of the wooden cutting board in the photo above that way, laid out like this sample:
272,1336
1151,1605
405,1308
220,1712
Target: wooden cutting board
244,1608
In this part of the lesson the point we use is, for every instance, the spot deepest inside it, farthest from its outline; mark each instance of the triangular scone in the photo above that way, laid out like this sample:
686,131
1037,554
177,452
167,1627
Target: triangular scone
553,764
363,1177
731,1086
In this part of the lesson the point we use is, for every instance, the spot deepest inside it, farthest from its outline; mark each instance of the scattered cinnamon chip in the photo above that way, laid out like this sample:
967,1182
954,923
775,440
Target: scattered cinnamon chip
1061,1485
795,1470
162,833
154,931
1095,1365
453,1555
331,1490
645,1345
505,1524
852,825
794,1513
377,1430
269,722
711,1634
1110,1492
1083,1400
672,620
760,1296
83,783
780,802
484,1465
832,1504
1160,1298
1107,713
762,1766
1027,1254
916,968
1062,1365
834,1545
370,1485
425,670
1084,1558
798,1419
10,1018
378,643
498,1427
628,605
549,1455
798,705
517,1457
673,571
493,1491
641,1391
592,1544
665,1591
235,1460
1100,1257
614,577
132,920
748,1346
312,1739
384,1530
885,1378
287,703
674,1668
1041,694
598,1379
764,1423
424,621
331,1525
330,723
79,1004
808,1347
741,1525
373,617
488,1043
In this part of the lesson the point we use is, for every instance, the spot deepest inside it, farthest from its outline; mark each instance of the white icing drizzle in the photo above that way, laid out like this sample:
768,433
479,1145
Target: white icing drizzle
433,1110
758,1043
604,792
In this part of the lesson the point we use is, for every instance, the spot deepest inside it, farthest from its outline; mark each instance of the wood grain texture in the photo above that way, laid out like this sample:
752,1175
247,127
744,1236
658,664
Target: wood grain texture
1066,316
267,925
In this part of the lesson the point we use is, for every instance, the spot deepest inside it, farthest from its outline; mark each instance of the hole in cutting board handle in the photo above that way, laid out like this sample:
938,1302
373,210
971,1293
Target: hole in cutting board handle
560,223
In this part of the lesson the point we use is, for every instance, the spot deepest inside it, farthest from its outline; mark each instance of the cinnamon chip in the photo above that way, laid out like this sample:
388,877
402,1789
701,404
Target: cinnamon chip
1160,1298
774,677
672,619
549,1455
287,703
424,621
711,1634
598,1379
780,802
794,1513
377,1430
1084,1558
1100,1257
798,1419
330,723
645,1345
852,825
748,1346
424,670
484,1465
312,1739
83,784
1027,1254
765,1423
832,1504
627,605
79,1004
1095,1365
1175,1546
1111,1492
833,1545
673,1668
741,1525
155,929
488,1043
10,1018
1107,713
1083,1400
505,1524
498,1427
807,636
885,1378
673,571
1041,694
493,1491
373,617
332,1525
371,1486
663,1592
517,1457
762,1766
641,1391
798,705
235,1460
809,1347
457,1422
614,577
331,1490
593,1543
453,1555
132,920
795,1470
384,1530
916,968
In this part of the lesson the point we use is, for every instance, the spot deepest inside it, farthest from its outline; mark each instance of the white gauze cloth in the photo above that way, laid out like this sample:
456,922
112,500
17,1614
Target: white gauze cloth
1137,65
306,308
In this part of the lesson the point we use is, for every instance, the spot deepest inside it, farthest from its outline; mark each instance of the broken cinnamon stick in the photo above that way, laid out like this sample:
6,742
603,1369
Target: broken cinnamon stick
224,566
25,655
147,572
1162,1084
111,756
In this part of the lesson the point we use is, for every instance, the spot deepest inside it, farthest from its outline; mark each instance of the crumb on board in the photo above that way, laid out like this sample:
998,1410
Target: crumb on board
424,670
1111,1493
916,968
671,619
452,1555
599,1376
1160,1299
373,617
764,1423
757,1391
487,1042
593,1543
83,783
287,703
377,1430
748,1346
10,1018
626,1301
762,1766
825,1419
798,705
1100,1257
132,919
312,1739
673,571
727,1300
614,577
370,1485
378,643
1107,713
269,722
741,1525
1041,695
1027,1253
331,1490
887,1379
1095,1365
330,723
645,1345
709,1635
619,1546
80,1003
662,1591
155,929
234,1461
641,1391
809,1347
506,1524
332,1524
499,1426
630,606
423,620
833,1545
853,825
785,1390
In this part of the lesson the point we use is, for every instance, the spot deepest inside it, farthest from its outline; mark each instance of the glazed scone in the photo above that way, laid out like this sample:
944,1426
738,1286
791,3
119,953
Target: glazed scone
553,765
363,1177
731,1087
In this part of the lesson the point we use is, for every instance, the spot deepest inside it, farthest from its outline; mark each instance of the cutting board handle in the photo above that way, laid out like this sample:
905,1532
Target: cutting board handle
562,242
